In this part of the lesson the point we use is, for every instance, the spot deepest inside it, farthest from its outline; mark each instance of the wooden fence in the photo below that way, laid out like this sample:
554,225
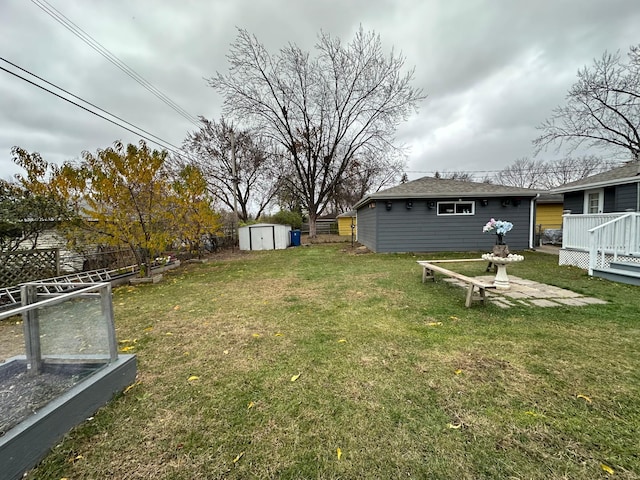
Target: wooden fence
323,227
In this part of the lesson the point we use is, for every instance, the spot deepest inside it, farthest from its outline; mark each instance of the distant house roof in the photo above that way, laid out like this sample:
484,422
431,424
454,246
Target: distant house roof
349,214
432,187
628,173
547,198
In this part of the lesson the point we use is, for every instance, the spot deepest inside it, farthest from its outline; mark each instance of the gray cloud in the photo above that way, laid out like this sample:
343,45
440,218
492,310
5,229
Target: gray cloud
492,70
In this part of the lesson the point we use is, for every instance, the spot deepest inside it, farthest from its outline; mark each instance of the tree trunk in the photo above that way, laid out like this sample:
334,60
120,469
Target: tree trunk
312,225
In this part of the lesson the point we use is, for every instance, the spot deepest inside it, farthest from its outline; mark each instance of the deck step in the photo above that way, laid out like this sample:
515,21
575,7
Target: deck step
618,275
630,266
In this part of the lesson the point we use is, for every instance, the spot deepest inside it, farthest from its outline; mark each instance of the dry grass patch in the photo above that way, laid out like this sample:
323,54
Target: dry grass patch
402,378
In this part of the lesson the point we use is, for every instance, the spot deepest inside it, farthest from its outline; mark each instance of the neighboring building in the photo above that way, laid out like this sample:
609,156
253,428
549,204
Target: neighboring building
345,221
433,214
602,220
549,209
614,191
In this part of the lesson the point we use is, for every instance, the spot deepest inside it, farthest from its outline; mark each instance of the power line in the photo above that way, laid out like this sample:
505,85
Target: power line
102,50
87,102
550,170
160,142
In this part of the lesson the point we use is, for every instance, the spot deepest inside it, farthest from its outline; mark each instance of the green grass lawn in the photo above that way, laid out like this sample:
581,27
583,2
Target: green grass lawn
317,363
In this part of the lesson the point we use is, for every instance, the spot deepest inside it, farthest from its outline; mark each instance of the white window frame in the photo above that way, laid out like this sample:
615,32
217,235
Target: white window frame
587,194
455,204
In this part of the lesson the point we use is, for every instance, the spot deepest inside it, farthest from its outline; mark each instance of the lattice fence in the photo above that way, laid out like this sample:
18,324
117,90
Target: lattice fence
580,259
28,265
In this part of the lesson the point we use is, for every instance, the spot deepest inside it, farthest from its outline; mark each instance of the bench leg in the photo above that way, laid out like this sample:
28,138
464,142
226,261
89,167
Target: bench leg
469,296
481,291
426,274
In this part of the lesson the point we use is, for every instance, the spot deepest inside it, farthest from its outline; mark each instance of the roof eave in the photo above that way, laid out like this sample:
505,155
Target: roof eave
589,186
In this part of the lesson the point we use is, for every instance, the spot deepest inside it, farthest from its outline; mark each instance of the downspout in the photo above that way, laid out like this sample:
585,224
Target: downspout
532,226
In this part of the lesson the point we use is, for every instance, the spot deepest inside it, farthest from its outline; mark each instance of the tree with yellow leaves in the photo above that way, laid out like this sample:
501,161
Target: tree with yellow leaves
126,196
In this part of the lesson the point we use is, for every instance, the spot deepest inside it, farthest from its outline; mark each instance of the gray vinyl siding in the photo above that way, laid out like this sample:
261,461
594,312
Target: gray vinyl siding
609,200
420,229
626,197
574,201
367,226
618,198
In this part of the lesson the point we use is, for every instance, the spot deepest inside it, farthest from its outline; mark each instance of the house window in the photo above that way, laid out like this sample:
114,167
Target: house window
456,208
593,201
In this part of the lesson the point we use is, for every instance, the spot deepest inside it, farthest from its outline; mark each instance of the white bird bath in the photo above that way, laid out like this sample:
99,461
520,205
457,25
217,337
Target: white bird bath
502,279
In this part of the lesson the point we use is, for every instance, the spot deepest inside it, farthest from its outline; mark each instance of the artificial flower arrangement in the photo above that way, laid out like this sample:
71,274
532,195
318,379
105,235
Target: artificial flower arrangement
499,228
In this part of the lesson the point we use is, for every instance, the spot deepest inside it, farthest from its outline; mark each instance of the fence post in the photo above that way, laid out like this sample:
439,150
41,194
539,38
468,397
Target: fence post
31,326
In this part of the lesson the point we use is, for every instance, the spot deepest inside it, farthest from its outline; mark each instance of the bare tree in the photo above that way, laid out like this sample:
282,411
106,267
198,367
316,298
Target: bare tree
324,111
365,176
257,180
523,173
602,108
456,175
570,169
545,175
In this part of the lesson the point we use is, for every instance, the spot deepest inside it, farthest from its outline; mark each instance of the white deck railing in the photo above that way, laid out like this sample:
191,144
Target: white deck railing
575,228
620,236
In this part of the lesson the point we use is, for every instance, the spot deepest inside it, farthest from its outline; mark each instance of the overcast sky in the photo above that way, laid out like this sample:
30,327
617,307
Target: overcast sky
493,70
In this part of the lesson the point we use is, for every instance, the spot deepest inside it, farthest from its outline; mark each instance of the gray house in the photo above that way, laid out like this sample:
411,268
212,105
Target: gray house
433,214
601,223
617,190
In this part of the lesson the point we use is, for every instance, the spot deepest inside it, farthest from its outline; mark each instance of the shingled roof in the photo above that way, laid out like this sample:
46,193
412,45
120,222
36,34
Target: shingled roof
628,173
431,187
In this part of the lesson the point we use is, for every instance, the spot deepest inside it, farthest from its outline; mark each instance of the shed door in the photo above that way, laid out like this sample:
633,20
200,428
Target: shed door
262,238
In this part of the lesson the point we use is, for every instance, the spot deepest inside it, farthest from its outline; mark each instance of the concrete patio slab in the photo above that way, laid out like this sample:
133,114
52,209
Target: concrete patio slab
529,293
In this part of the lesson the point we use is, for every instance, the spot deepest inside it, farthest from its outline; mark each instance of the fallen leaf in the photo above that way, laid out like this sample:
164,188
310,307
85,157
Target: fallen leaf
339,452
226,352
584,397
240,455
177,307
533,414
256,335
607,469
454,318
127,349
192,378
295,377
168,334
458,372
148,329
342,340
251,405
277,334
434,324
455,426
128,389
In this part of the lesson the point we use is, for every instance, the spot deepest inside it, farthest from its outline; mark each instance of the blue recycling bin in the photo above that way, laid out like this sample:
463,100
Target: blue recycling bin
295,238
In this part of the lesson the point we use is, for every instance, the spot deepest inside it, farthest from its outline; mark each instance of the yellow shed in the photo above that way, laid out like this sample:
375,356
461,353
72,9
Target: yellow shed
549,211
345,220
549,218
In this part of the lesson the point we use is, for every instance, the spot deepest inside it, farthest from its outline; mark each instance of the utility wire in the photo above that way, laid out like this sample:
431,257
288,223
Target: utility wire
87,102
102,50
159,141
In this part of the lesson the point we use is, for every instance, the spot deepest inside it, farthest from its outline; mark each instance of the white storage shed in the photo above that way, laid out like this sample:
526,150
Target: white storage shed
264,236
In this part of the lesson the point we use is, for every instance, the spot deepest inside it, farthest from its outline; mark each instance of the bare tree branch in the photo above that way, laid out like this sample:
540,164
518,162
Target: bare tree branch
324,111
602,109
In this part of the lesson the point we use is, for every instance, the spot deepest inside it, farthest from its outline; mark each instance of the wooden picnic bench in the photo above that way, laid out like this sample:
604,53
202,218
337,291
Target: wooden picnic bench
428,272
